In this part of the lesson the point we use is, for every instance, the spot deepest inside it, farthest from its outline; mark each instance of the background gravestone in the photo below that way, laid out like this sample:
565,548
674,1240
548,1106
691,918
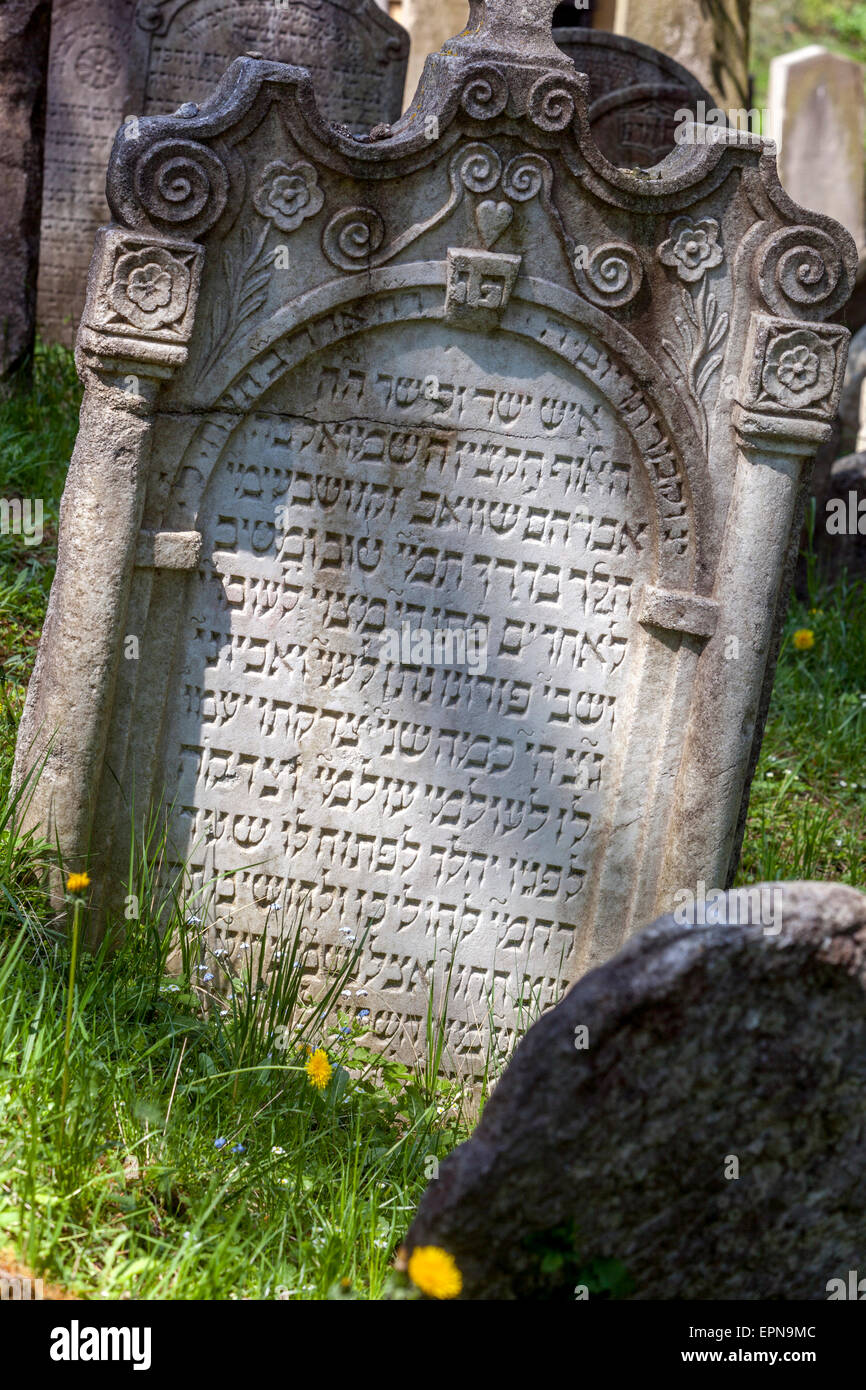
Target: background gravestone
711,40
343,394
816,117
689,1123
112,58
429,27
635,95
24,29
709,37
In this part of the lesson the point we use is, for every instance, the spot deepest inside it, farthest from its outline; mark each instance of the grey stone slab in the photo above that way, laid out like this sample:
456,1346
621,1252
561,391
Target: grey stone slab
817,109
24,30
482,438
689,1123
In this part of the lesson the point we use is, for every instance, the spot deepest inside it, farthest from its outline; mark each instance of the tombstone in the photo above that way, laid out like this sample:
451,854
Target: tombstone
24,29
638,96
113,58
689,1123
711,40
816,117
430,27
414,554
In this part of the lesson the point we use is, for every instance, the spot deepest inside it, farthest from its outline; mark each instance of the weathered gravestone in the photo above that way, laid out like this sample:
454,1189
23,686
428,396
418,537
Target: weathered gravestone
423,545
637,96
710,38
112,58
817,119
430,27
24,29
690,1122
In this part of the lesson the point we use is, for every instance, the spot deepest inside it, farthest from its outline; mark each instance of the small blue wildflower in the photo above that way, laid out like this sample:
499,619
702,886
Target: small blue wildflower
220,1143
238,1149
363,1013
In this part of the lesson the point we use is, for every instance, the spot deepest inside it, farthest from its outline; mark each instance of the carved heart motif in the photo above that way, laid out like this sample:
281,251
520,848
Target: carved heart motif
492,219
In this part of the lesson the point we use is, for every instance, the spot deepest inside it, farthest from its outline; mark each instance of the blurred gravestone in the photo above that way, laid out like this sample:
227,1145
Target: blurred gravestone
816,118
689,1123
638,96
840,507
414,556
115,58
430,27
24,30
710,38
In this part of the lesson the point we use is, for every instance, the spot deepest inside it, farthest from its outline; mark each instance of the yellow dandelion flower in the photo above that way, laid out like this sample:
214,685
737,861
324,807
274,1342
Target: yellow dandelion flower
319,1069
804,638
435,1272
76,883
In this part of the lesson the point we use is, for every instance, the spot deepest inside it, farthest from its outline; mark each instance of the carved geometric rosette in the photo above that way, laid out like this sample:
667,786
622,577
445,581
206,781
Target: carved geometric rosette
141,297
792,368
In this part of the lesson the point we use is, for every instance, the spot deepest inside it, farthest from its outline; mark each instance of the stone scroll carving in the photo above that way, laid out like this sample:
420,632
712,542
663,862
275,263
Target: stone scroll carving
117,59
443,491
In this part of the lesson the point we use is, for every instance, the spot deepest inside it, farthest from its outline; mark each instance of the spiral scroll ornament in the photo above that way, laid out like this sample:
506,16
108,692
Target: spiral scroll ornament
352,237
181,183
478,167
485,95
611,276
802,268
151,16
553,102
525,177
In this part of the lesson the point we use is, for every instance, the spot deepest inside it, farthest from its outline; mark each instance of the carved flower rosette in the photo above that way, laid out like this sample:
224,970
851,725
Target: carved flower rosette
150,288
288,194
143,289
692,248
799,369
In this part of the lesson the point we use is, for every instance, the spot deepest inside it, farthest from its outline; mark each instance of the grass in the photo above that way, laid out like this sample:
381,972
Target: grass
808,802
194,1157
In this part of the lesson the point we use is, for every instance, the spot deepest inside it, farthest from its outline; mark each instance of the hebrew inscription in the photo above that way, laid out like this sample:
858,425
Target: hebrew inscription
403,669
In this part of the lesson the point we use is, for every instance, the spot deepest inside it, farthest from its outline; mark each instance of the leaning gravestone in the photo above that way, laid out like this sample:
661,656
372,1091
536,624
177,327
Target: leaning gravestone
24,30
689,1123
112,58
637,96
415,550
817,117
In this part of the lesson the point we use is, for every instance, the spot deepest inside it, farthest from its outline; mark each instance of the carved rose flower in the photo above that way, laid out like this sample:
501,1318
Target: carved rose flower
799,368
150,287
288,193
97,66
692,248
